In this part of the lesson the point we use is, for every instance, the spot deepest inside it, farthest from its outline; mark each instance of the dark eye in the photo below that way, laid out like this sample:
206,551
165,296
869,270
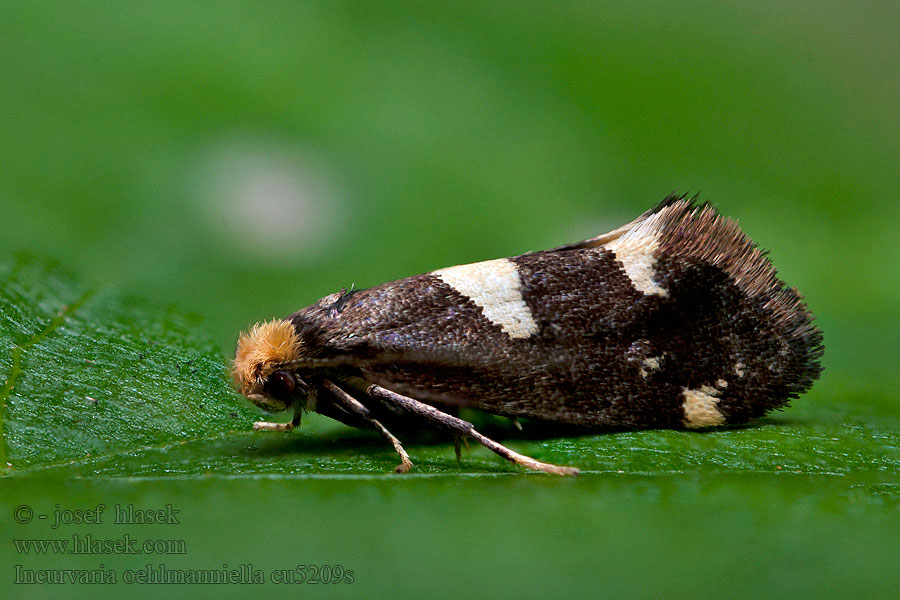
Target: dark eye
281,385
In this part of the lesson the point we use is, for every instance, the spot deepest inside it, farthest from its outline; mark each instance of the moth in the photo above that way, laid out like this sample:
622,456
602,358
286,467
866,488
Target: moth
674,320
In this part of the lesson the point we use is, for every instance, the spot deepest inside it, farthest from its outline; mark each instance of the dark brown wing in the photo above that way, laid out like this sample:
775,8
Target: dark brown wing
674,320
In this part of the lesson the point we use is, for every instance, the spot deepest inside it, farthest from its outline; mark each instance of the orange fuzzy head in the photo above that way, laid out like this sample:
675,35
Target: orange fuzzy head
262,364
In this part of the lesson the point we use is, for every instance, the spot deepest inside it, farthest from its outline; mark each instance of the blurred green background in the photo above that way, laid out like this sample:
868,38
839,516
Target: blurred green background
240,160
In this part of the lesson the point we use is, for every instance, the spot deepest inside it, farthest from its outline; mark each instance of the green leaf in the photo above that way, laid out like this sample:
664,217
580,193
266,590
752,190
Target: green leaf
90,374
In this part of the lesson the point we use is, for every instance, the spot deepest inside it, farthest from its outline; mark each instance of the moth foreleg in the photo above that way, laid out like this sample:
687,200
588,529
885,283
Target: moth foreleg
295,421
269,426
458,425
356,407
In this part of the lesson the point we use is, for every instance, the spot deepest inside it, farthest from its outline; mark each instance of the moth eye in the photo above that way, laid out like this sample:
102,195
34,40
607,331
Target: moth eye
281,385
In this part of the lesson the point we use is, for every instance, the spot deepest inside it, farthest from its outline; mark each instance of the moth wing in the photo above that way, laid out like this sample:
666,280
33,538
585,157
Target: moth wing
463,379
679,320
423,338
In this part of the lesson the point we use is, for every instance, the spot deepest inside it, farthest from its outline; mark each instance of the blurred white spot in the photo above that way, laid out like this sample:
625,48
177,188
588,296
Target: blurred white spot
268,200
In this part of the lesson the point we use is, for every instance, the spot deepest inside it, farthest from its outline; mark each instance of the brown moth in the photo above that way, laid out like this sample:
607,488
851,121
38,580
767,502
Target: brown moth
674,320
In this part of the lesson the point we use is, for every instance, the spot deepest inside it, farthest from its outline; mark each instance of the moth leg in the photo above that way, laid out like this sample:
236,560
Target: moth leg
269,426
465,428
295,421
356,407
405,464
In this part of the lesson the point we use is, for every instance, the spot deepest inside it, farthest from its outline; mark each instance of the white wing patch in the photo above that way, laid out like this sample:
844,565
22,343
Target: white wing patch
495,286
634,249
700,407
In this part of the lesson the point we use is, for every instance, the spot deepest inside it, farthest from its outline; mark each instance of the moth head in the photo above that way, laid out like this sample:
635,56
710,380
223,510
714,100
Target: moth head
262,365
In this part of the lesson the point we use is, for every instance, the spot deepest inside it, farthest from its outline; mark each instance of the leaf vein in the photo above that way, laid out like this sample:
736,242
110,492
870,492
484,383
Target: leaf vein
15,369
